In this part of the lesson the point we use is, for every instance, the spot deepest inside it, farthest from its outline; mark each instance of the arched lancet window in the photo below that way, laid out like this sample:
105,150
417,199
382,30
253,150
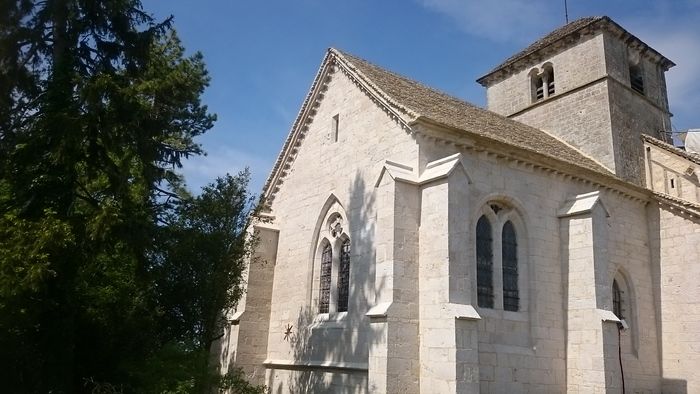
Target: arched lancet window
509,252
537,87
344,276
549,80
324,297
484,263
617,300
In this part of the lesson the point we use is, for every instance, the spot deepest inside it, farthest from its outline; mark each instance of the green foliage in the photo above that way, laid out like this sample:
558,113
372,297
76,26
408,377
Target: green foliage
199,267
103,256
235,383
201,261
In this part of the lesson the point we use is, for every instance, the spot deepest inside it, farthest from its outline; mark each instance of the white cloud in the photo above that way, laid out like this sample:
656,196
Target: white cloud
220,160
503,20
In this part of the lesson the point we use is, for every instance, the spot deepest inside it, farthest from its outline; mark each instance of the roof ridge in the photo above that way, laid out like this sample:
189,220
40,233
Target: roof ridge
345,55
435,90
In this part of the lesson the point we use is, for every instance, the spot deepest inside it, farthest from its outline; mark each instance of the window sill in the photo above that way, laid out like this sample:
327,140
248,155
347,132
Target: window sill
504,315
335,320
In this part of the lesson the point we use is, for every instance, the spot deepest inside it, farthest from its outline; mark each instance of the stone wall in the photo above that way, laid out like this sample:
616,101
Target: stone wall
573,67
669,173
677,252
526,351
587,127
347,169
632,115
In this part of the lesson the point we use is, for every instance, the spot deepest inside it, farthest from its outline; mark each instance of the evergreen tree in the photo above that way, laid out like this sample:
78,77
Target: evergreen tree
98,106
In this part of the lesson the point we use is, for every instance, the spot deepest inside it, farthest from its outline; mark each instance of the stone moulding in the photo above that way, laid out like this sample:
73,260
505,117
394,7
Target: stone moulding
380,310
462,311
437,169
236,317
608,316
581,204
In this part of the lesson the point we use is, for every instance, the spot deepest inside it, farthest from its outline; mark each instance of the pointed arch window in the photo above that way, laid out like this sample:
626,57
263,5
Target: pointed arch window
509,253
484,263
617,300
325,288
344,277
549,80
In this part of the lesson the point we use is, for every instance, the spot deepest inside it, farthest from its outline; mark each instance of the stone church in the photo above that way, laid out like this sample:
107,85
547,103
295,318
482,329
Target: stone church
413,242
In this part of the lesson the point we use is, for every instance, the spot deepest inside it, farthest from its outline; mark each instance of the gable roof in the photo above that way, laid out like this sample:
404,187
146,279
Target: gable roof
569,30
437,107
411,101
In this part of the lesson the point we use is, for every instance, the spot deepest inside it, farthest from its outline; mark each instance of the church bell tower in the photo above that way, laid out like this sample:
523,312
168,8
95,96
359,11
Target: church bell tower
592,84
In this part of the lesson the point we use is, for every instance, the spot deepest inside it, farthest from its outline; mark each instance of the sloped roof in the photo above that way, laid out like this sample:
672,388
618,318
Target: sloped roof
693,157
549,39
568,30
440,108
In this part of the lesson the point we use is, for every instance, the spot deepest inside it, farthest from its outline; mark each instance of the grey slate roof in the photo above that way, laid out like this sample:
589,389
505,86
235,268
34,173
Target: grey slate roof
452,112
570,29
550,39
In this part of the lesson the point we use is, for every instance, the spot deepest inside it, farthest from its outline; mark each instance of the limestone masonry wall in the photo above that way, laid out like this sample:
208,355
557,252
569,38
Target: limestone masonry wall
669,173
678,256
526,351
348,169
573,67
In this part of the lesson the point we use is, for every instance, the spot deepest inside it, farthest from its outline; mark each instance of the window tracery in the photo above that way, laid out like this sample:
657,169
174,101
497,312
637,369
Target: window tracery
331,262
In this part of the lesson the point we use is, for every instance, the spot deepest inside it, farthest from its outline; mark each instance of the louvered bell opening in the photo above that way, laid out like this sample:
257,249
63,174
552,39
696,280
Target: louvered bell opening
636,79
550,88
638,83
540,93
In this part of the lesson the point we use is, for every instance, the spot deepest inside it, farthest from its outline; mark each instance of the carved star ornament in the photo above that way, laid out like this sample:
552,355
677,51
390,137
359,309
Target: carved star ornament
288,332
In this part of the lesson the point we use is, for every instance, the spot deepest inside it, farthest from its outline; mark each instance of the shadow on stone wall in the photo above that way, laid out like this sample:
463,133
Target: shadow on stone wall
350,340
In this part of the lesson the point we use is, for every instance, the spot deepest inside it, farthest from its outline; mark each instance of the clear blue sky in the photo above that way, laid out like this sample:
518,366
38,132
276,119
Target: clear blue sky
263,56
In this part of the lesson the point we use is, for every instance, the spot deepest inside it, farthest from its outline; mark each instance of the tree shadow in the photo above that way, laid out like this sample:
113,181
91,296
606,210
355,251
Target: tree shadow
332,355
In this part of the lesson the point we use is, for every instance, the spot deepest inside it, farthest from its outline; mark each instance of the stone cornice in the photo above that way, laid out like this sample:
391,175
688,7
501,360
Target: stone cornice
677,204
531,160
